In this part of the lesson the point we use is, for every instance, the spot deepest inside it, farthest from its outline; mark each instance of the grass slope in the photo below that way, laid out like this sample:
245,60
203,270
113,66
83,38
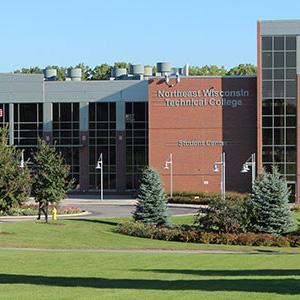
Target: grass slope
96,233
67,275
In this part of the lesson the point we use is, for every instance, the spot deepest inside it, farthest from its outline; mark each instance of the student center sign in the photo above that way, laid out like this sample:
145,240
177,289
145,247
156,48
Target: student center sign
140,118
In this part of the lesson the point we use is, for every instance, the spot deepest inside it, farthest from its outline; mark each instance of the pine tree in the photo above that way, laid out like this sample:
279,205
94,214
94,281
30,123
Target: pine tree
51,176
152,206
14,180
270,204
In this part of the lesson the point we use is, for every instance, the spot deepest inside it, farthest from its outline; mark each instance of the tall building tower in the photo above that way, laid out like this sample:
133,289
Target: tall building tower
278,57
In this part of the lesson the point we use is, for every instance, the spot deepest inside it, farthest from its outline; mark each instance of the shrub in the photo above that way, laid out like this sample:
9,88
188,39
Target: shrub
202,198
151,207
224,216
270,204
195,236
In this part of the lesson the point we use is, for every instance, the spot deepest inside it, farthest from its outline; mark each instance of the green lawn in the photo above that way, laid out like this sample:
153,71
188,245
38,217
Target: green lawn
90,275
67,275
97,233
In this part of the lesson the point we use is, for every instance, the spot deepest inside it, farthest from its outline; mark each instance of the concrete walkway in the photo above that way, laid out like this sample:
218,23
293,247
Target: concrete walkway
100,250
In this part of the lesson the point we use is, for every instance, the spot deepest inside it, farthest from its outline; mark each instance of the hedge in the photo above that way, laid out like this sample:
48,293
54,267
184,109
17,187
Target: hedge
192,235
201,198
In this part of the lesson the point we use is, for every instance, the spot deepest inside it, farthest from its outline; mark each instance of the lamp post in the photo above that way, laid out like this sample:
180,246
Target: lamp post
250,162
22,161
216,169
100,167
169,165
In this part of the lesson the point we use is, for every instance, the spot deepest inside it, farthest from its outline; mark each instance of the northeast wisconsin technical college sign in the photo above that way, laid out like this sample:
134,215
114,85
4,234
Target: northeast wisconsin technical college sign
205,97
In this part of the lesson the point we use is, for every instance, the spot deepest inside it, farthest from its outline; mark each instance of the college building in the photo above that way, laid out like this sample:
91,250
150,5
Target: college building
141,118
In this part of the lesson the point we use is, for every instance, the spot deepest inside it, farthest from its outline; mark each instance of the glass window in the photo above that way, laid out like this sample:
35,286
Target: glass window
278,73
266,43
291,154
290,59
290,43
291,107
267,89
291,121
267,74
267,122
291,136
278,154
279,121
267,136
267,106
267,154
291,88
278,59
279,136
278,88
290,74
279,43
278,106
267,59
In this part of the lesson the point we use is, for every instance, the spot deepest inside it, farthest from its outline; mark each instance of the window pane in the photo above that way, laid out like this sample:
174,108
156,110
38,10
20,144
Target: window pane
267,136
266,43
267,122
278,73
267,59
267,89
278,59
290,59
278,106
267,105
291,90
278,88
291,107
279,43
279,134
290,43
267,153
291,74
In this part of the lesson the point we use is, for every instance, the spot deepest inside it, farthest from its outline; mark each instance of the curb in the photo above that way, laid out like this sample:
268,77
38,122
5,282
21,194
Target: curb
85,213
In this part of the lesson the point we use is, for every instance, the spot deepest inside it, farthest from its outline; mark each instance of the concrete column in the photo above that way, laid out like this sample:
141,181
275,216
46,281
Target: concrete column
121,147
11,123
84,149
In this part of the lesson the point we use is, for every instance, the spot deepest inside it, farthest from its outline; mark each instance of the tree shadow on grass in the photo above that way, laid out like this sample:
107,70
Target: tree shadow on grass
278,286
96,221
262,272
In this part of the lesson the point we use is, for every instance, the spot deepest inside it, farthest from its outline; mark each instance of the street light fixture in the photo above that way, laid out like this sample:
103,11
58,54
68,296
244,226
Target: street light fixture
169,165
250,162
216,169
100,167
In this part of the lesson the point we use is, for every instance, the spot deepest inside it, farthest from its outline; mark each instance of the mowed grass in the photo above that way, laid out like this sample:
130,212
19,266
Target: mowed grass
73,275
98,233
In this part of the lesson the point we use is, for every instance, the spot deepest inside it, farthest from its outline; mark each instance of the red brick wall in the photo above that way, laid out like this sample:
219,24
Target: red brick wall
193,166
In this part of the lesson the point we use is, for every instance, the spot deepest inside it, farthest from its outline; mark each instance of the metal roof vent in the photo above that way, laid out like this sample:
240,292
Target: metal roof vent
75,74
163,68
50,74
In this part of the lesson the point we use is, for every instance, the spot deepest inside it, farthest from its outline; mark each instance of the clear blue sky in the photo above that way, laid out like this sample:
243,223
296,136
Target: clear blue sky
64,32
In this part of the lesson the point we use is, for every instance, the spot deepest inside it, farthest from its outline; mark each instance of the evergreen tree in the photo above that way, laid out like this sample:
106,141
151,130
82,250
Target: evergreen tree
14,180
152,206
51,176
270,204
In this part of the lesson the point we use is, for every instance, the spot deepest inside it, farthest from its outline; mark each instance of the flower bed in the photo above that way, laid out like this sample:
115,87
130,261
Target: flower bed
192,235
32,210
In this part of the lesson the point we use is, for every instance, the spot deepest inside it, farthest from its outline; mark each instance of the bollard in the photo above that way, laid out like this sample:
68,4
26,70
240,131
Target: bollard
54,213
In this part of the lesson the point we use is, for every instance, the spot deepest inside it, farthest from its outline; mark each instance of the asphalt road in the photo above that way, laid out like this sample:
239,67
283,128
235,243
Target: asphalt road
108,208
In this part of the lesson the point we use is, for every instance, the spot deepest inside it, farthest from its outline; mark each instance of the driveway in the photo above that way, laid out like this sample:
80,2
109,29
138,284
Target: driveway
110,207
